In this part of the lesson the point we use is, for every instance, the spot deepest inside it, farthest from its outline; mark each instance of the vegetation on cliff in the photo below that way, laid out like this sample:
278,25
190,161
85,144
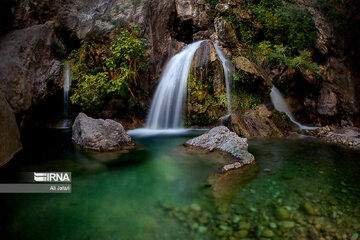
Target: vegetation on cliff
281,31
204,105
100,73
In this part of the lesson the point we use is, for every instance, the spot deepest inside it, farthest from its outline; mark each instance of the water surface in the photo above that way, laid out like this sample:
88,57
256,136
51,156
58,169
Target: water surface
163,191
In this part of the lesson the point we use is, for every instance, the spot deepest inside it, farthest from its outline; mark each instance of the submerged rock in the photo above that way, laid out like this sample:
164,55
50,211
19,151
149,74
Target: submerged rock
99,134
222,139
308,208
10,142
281,213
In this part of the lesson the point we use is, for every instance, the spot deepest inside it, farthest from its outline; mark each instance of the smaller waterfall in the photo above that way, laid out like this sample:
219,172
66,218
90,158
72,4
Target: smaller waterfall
227,73
281,105
67,76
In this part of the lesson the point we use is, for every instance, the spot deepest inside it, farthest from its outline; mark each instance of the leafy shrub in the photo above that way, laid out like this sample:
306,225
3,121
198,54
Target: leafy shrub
282,31
278,54
204,104
99,74
246,100
213,3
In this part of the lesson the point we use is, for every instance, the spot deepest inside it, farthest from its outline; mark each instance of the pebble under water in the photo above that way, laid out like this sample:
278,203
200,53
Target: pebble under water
300,188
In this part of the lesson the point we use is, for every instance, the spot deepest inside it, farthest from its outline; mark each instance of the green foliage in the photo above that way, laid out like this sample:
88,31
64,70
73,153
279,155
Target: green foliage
244,28
287,24
282,31
278,54
247,93
246,100
203,104
98,74
212,2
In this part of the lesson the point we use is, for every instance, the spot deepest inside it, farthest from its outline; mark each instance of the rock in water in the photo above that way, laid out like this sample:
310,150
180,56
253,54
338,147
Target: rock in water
10,142
222,139
99,134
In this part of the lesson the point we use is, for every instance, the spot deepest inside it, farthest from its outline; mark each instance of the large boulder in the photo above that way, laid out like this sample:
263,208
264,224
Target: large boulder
246,65
27,65
257,123
10,142
223,140
99,134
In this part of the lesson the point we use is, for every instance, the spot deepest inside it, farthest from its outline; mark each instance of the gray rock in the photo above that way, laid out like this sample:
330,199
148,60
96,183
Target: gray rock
99,134
225,32
348,136
327,104
247,66
256,123
10,142
26,65
222,139
223,8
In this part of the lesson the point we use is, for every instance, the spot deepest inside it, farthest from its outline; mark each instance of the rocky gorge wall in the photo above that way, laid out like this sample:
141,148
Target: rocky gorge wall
30,71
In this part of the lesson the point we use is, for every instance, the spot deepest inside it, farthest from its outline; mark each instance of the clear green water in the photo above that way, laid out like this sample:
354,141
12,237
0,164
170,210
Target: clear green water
161,191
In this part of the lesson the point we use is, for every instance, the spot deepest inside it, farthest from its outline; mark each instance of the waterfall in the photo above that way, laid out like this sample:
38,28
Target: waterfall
167,108
227,73
67,76
281,105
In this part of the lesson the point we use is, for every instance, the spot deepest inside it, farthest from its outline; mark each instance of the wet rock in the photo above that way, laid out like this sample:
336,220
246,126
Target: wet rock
348,136
252,125
196,207
99,134
205,86
10,142
244,225
273,225
241,234
202,229
226,186
281,213
236,219
194,226
308,208
286,225
222,139
268,233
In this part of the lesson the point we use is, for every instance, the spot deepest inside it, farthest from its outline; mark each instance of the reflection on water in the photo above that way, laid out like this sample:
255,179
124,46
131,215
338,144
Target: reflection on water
299,189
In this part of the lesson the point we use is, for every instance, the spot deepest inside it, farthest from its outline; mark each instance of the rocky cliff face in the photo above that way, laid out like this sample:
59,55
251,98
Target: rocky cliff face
340,81
10,142
27,64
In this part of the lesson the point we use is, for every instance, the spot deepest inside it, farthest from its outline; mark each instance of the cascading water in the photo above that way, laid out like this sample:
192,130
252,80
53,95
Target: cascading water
281,105
67,76
227,73
166,111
